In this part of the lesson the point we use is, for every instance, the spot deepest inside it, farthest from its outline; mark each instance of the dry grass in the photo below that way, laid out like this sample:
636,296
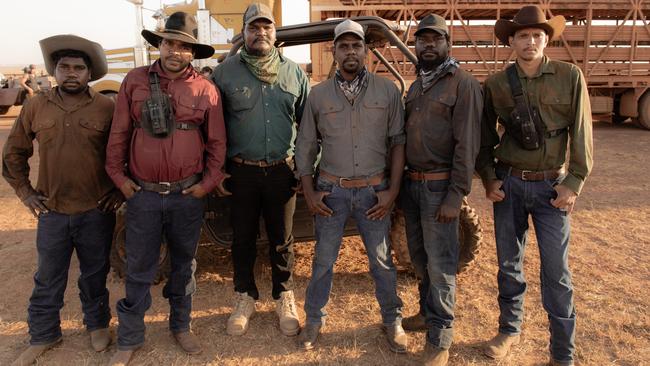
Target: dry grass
609,257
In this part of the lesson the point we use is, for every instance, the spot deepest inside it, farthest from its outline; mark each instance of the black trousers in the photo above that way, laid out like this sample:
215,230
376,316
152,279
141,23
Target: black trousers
268,192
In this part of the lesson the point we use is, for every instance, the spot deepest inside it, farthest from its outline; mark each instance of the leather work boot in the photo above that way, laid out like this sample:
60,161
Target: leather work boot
285,307
308,336
553,362
499,346
414,323
100,339
189,342
434,356
32,352
396,337
122,357
243,310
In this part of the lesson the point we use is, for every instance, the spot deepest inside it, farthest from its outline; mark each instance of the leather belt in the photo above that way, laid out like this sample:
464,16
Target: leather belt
259,163
179,125
353,182
423,176
531,175
169,187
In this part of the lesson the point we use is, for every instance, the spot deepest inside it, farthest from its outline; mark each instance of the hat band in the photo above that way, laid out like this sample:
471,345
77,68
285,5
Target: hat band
167,30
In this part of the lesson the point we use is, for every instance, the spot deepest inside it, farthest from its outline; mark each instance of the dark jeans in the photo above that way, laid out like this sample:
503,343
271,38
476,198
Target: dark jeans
354,202
149,216
90,234
433,247
524,199
269,192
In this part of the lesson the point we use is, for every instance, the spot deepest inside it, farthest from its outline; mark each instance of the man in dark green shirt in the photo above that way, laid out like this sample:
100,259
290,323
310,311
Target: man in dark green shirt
264,94
526,180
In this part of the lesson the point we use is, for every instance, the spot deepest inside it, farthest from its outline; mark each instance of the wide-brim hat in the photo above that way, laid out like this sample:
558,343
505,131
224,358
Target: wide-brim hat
530,16
94,50
180,26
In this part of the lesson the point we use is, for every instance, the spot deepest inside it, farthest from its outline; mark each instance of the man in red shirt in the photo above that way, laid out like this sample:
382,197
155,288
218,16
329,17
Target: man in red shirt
168,131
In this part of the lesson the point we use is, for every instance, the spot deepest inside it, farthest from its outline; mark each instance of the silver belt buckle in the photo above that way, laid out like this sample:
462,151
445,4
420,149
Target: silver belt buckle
523,174
169,188
341,179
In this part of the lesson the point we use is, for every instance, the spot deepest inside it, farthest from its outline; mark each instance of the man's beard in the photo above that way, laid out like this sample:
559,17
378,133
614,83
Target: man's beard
427,65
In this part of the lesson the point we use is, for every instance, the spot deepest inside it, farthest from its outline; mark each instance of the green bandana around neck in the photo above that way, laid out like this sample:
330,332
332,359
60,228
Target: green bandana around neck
265,67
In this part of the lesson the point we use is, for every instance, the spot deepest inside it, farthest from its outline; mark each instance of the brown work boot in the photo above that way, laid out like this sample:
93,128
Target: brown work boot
242,312
32,352
397,339
499,346
414,323
122,357
188,342
553,362
285,307
434,356
100,339
308,336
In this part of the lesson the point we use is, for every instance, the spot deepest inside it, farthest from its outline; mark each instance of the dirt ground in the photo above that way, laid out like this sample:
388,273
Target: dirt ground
610,259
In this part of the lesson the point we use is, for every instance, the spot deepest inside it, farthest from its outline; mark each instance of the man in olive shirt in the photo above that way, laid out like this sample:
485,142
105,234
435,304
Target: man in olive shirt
264,95
527,181
74,199
443,115
358,117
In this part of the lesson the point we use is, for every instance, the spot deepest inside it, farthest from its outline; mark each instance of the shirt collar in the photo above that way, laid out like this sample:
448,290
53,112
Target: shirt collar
54,96
545,68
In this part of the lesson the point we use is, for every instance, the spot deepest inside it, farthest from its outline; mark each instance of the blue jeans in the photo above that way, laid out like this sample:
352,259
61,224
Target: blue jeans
90,234
149,216
524,199
433,247
346,202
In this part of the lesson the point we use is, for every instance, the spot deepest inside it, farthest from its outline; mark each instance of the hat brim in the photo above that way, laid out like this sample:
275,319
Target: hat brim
200,50
554,27
94,50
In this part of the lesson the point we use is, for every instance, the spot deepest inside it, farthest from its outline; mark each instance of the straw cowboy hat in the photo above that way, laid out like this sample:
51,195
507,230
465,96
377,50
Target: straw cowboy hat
530,16
94,50
180,26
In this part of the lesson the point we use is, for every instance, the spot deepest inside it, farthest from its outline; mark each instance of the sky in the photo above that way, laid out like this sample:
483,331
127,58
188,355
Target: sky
109,22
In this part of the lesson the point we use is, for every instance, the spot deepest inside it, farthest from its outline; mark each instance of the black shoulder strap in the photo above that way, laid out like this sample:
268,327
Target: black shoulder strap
154,83
517,92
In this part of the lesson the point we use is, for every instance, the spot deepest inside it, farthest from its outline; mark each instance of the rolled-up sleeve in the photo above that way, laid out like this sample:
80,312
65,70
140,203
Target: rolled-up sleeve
215,144
16,153
307,140
466,124
396,135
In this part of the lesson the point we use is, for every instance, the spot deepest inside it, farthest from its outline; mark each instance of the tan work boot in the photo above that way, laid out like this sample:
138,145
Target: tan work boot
32,352
308,336
122,357
100,339
396,337
499,346
189,342
414,323
434,356
285,307
242,311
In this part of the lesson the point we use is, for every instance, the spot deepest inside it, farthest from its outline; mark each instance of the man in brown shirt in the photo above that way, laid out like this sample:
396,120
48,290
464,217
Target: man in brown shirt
74,200
168,126
359,120
443,115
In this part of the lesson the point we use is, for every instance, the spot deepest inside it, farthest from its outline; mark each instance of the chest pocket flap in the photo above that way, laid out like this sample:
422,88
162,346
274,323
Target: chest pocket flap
198,102
239,98
96,125
561,99
43,124
448,99
331,106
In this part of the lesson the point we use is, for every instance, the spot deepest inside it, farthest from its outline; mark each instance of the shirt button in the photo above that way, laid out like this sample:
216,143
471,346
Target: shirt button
266,104
264,86
268,121
356,164
417,108
269,140
67,124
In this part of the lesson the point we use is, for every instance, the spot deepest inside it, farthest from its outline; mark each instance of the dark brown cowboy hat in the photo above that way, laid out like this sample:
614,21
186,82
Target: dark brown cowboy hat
180,26
530,16
93,50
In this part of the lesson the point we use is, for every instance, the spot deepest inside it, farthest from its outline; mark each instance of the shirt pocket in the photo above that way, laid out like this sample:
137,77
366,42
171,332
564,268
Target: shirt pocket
138,97
503,108
44,130
556,110
239,98
442,104
190,108
332,119
94,131
290,92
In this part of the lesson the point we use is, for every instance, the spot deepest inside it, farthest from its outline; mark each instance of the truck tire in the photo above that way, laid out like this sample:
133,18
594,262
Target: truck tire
470,237
644,110
118,250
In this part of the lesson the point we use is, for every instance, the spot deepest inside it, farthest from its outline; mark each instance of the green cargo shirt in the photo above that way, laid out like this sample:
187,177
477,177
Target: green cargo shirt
261,118
559,92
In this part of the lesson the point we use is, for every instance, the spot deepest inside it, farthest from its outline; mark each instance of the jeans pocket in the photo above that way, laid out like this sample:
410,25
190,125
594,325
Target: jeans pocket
437,186
323,185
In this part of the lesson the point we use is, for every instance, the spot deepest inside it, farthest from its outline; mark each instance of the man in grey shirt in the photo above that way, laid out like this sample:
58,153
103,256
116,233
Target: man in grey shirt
359,120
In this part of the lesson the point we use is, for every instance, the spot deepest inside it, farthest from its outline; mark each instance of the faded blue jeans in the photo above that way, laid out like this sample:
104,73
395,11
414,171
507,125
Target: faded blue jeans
90,234
149,216
524,199
433,247
354,202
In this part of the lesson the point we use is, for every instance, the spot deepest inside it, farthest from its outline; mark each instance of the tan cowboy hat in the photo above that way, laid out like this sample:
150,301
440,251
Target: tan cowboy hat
530,16
180,26
94,50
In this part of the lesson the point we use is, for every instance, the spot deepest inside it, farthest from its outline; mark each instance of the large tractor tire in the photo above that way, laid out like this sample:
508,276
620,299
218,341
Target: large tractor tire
644,111
118,250
470,237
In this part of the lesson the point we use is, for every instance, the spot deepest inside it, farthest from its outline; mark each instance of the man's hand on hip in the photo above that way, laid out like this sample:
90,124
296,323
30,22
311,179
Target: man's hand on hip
129,188
565,200
493,190
196,191
35,204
